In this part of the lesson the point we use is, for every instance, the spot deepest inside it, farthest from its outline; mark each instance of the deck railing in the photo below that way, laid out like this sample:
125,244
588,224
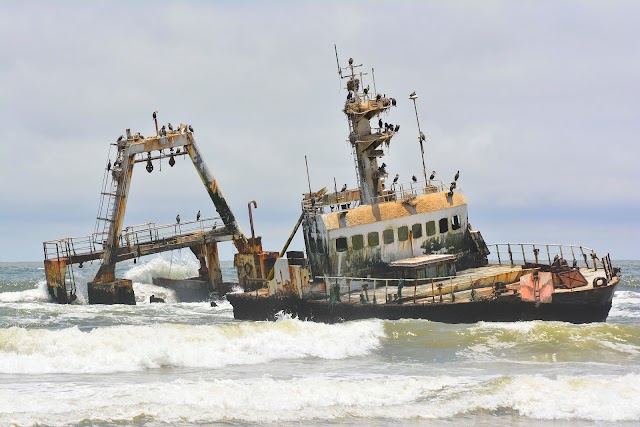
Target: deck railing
139,234
351,288
542,253
397,191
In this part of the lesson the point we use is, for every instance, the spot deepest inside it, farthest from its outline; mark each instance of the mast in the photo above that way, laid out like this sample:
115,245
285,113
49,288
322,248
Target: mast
360,107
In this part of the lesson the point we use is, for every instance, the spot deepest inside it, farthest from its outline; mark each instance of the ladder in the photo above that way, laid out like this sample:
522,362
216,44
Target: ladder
108,194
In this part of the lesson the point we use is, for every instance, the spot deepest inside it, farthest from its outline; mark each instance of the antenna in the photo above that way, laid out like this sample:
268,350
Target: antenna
374,81
338,62
421,136
308,180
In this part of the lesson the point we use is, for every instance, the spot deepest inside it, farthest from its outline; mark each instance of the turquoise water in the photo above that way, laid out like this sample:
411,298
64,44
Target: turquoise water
193,364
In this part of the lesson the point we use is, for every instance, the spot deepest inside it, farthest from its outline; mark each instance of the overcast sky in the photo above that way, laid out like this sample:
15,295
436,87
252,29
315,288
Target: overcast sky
536,103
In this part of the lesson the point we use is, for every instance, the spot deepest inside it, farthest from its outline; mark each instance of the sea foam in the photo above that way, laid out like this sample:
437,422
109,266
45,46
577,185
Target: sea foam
307,399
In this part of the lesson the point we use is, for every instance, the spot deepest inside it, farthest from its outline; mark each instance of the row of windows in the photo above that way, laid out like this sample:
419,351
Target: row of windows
388,236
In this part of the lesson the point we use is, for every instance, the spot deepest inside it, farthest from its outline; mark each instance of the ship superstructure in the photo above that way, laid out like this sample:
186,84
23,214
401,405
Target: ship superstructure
393,249
356,232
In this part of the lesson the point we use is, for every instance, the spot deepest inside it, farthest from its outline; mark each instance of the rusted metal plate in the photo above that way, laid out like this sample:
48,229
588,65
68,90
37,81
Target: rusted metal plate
527,288
536,288
545,287
571,279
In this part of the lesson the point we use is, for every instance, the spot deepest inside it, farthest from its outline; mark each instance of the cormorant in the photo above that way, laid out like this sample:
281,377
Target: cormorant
422,137
380,123
393,102
344,188
350,61
395,180
178,219
433,175
412,94
163,131
120,138
378,96
457,176
154,114
414,179
190,129
397,128
198,216
170,127
366,90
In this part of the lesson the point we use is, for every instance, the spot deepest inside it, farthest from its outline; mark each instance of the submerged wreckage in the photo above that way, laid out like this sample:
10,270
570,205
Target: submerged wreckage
386,250
407,250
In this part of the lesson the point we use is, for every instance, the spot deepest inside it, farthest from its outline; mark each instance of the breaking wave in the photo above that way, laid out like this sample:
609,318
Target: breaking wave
267,400
30,295
136,348
173,268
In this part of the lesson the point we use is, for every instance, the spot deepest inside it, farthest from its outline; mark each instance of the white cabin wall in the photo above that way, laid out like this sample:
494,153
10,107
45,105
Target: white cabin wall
349,261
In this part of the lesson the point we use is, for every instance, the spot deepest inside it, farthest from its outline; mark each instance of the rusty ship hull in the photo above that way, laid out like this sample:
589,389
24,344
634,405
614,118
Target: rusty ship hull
584,306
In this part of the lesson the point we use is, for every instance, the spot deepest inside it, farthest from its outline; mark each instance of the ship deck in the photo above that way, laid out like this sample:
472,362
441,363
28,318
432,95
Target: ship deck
477,281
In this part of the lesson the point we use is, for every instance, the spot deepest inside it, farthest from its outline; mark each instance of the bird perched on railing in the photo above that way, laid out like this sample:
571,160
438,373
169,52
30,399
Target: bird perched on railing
190,128
344,188
397,128
178,219
120,138
414,179
197,216
395,180
383,169
457,176
433,175
170,127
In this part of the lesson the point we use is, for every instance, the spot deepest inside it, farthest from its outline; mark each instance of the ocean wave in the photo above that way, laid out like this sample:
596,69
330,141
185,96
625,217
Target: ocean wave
551,341
173,268
30,295
305,399
136,348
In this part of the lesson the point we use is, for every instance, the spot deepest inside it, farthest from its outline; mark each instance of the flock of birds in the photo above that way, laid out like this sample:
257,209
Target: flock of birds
178,217
383,171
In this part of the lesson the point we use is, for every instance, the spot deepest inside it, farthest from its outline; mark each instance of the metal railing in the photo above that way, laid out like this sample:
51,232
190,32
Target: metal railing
398,191
542,253
437,288
134,235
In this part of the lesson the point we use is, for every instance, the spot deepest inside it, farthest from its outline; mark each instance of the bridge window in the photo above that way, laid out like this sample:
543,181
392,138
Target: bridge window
455,222
416,230
431,228
373,238
357,242
387,236
341,244
403,233
444,225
